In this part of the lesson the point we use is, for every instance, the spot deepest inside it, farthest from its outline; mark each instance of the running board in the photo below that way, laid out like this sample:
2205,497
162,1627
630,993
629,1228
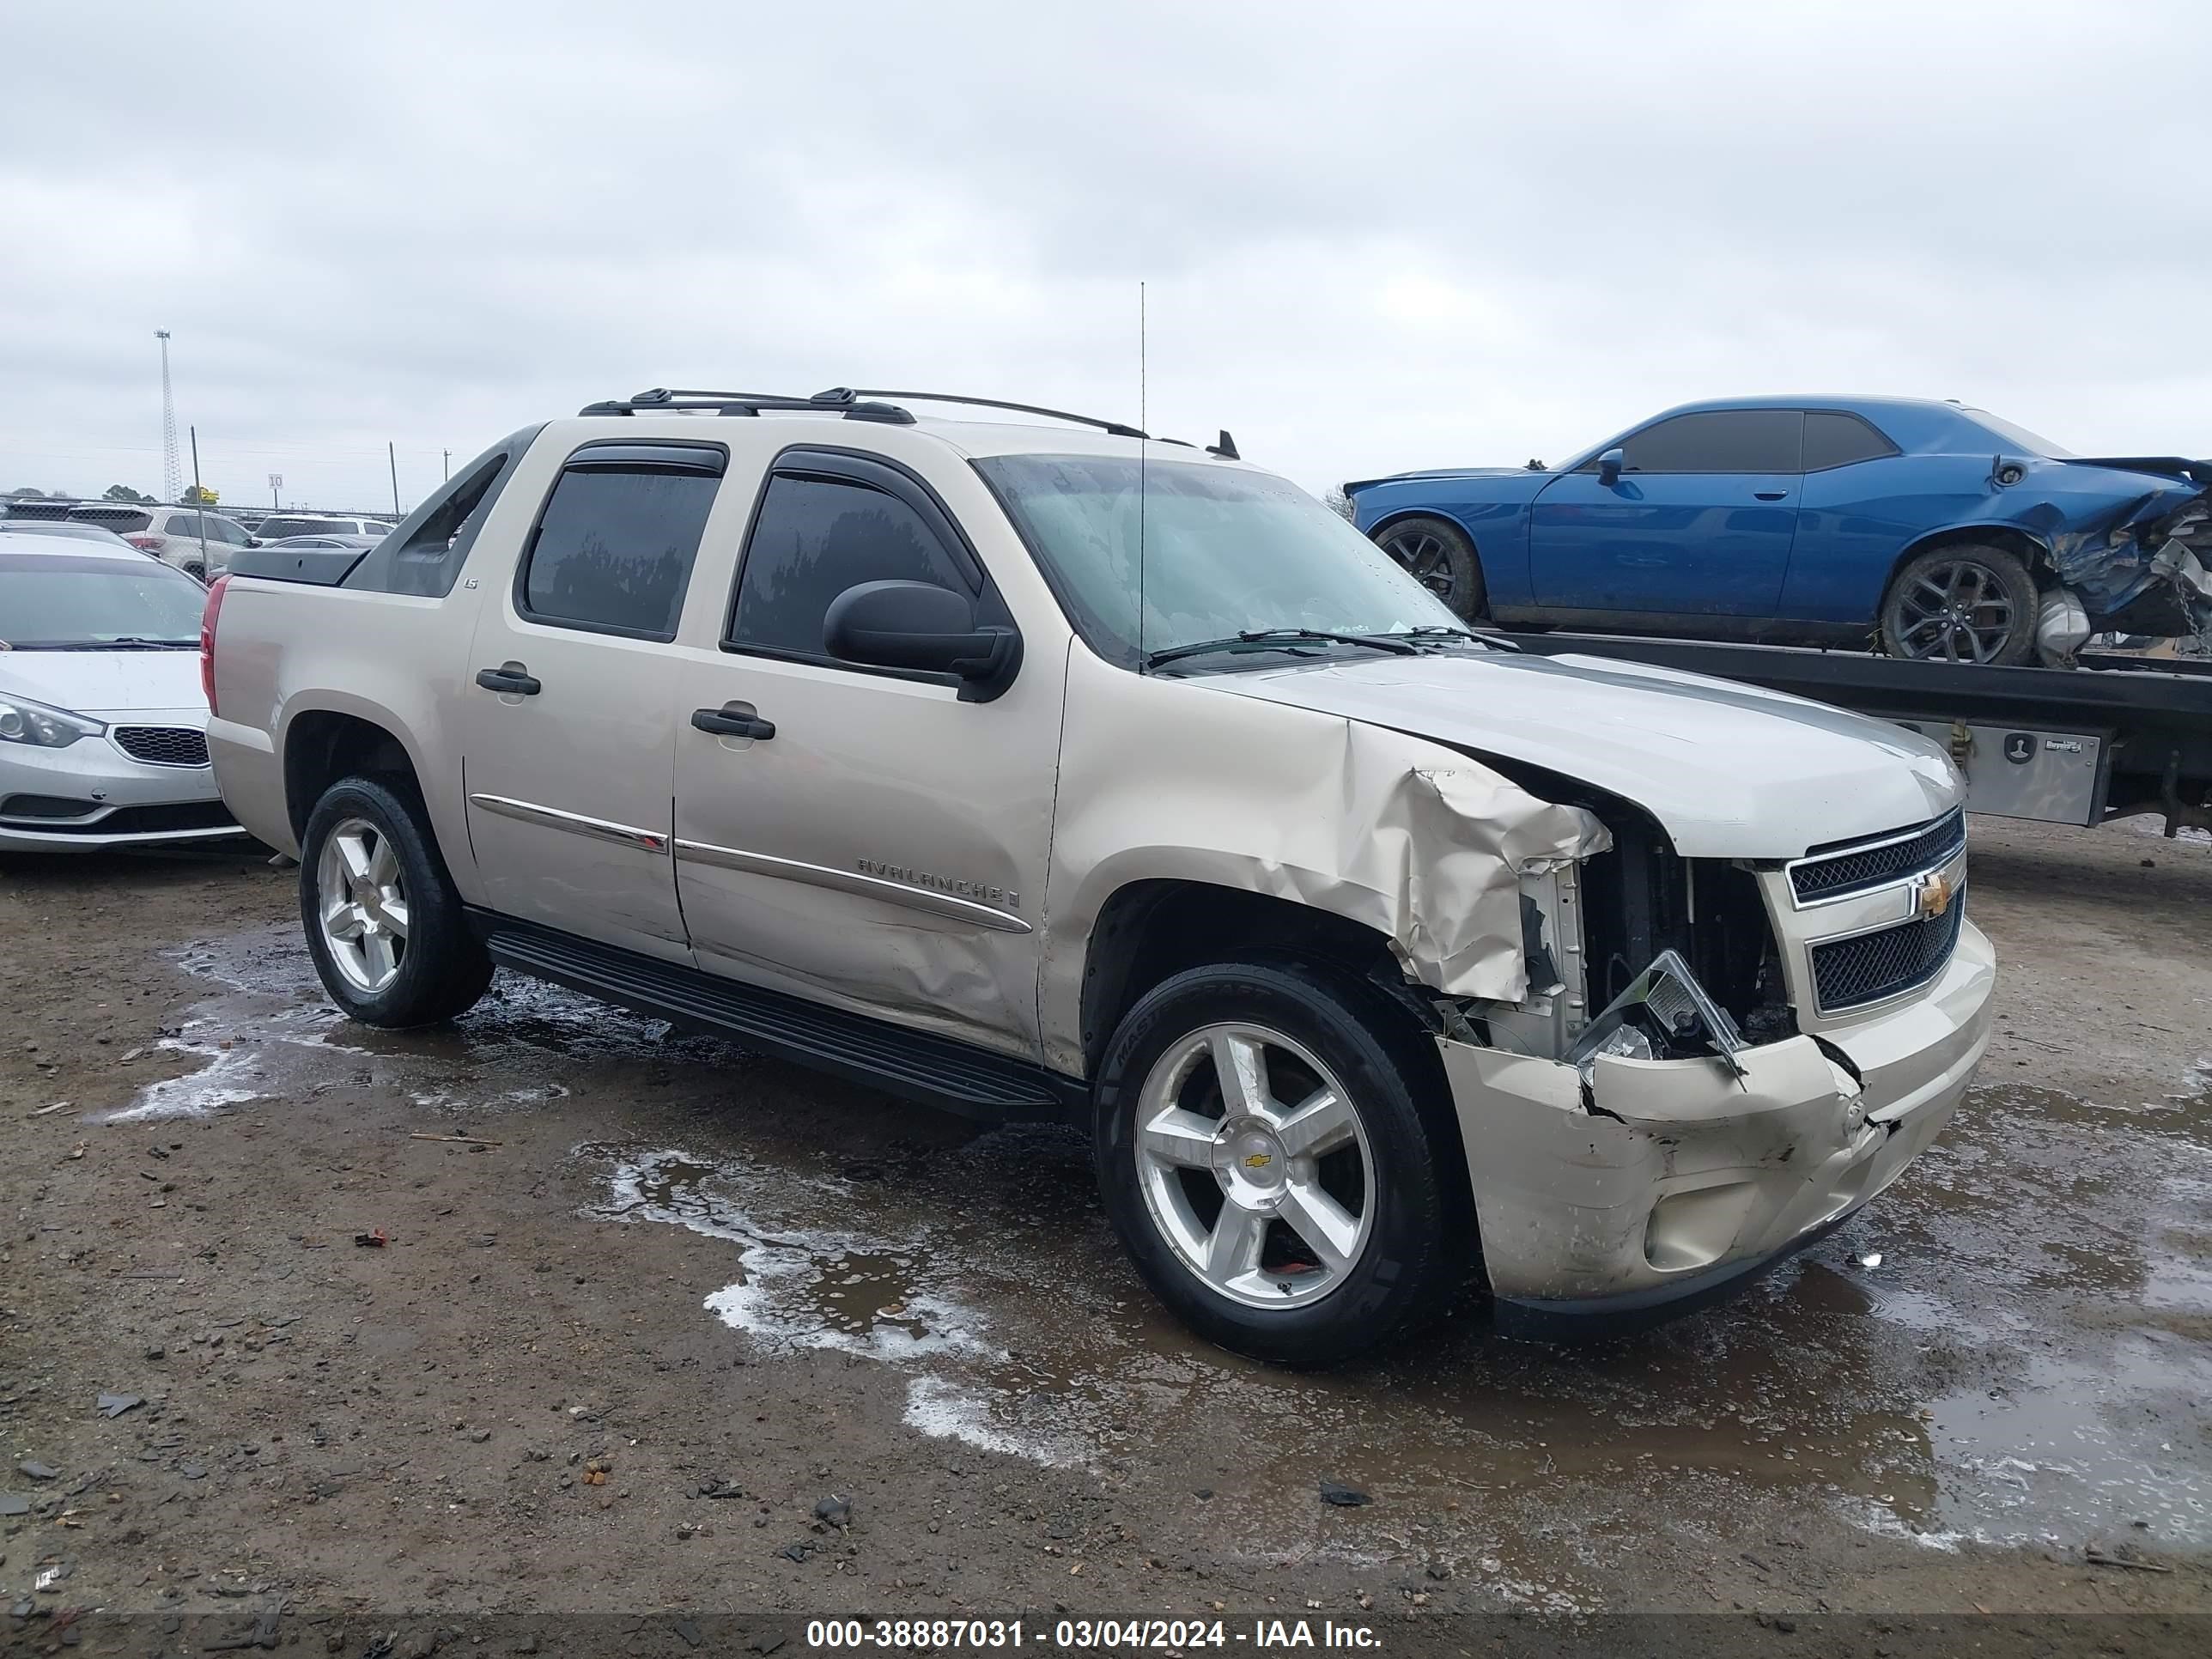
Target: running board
920,1066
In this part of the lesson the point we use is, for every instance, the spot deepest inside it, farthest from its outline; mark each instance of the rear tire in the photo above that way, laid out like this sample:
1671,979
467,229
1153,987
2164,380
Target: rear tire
386,930
1271,1219
1438,554
1969,603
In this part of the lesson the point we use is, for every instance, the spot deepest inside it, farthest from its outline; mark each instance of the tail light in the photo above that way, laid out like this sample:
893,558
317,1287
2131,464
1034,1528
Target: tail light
145,544
208,619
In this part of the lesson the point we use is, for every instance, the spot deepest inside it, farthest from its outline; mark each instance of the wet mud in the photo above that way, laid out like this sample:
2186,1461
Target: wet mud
2009,1351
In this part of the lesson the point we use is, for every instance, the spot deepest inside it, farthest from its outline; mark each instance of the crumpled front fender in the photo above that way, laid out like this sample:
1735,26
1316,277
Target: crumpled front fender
1423,845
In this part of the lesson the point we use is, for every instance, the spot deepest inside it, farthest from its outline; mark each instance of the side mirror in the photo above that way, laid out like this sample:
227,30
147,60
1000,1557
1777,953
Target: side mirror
1608,468
921,626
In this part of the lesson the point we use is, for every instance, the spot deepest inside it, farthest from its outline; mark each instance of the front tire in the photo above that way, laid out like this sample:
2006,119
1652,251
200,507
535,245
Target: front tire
1275,1155
1437,553
385,927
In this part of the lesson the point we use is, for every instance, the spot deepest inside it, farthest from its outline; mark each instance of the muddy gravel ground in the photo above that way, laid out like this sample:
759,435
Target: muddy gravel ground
615,1353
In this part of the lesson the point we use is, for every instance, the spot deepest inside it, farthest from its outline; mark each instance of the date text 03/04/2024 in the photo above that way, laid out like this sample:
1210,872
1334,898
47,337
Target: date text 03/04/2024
1263,1635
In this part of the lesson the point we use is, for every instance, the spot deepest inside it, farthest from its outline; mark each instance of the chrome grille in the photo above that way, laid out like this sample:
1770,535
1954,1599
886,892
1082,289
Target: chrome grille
1856,869
163,745
1848,973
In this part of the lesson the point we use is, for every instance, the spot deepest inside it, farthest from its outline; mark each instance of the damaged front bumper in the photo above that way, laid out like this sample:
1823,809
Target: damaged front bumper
1673,1180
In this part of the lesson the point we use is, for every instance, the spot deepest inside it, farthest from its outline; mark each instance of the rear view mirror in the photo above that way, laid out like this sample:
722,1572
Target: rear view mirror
1608,468
923,626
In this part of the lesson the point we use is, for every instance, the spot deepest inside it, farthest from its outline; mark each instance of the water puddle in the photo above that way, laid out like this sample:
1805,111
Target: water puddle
881,1291
268,1032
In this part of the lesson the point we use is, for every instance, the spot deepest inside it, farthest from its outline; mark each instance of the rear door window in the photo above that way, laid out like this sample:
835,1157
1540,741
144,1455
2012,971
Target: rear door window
1719,441
615,542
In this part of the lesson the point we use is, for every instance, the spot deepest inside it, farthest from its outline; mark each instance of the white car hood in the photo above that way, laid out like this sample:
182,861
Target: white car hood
1729,770
108,684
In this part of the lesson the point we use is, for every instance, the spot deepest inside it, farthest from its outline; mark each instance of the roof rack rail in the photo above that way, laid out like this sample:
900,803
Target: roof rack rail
1115,428
853,404
661,398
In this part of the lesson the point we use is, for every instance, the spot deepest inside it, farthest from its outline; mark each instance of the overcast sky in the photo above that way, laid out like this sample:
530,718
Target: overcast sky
1374,237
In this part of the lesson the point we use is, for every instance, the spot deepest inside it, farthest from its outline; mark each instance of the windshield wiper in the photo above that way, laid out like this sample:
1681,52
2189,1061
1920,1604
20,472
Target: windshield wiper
1262,638
1474,635
128,642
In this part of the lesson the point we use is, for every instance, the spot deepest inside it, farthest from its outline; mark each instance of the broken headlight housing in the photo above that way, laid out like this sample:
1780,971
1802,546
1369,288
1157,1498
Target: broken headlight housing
1663,1014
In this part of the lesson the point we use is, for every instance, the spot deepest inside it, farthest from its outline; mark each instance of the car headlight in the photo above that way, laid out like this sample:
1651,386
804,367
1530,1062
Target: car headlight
42,728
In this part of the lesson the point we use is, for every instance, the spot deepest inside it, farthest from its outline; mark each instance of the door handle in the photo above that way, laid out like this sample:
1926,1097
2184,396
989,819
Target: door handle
511,678
1770,495
733,720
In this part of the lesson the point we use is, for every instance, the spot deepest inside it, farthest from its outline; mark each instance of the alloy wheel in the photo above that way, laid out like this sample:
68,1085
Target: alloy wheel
1422,554
1255,1165
362,903
1958,612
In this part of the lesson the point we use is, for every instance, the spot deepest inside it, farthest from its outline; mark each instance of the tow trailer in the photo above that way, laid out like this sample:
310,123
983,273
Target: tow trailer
2110,738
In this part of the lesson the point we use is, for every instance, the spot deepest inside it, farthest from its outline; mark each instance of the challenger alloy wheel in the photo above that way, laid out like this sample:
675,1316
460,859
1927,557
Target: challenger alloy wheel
1438,554
1972,604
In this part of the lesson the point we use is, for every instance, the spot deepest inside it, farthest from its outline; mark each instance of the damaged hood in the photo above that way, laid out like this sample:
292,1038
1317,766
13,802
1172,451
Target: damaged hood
1729,770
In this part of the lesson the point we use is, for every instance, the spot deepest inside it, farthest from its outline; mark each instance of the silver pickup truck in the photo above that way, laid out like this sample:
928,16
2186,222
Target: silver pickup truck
1045,770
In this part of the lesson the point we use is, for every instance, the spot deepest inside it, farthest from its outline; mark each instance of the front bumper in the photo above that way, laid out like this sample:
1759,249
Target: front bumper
127,802
1684,1180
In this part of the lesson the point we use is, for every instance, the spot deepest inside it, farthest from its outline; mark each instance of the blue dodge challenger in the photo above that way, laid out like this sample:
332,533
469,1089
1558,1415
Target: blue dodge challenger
1926,529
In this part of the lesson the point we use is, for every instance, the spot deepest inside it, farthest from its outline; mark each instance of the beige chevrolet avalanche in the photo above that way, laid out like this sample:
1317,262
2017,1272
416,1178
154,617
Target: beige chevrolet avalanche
1046,770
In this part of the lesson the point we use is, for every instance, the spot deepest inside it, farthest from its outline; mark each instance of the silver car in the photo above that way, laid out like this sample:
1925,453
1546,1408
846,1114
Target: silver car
278,526
102,716
198,542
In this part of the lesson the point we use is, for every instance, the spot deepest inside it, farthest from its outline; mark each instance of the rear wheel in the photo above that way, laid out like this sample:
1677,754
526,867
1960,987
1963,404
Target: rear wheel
384,925
1265,1154
1437,553
1966,604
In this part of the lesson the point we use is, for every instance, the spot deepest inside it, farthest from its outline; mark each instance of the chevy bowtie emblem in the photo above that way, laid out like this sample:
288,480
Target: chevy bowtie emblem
1934,898
1257,1160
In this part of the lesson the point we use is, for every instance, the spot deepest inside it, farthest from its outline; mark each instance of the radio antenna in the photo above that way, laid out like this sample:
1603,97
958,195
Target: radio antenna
1143,445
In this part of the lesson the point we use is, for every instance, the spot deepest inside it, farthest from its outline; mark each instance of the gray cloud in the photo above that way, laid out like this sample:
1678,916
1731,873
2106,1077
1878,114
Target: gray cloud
1373,238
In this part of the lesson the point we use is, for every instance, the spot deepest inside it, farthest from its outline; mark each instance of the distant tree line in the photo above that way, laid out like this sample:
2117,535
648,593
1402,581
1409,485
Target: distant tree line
115,492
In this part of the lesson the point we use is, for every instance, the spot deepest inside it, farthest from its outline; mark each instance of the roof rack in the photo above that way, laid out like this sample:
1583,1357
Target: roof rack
1115,428
853,405
661,398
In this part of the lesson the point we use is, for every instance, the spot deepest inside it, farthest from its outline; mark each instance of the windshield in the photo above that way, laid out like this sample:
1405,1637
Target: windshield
1225,552
59,602
2017,435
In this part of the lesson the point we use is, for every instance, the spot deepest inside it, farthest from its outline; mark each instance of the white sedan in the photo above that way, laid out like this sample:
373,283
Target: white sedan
103,720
